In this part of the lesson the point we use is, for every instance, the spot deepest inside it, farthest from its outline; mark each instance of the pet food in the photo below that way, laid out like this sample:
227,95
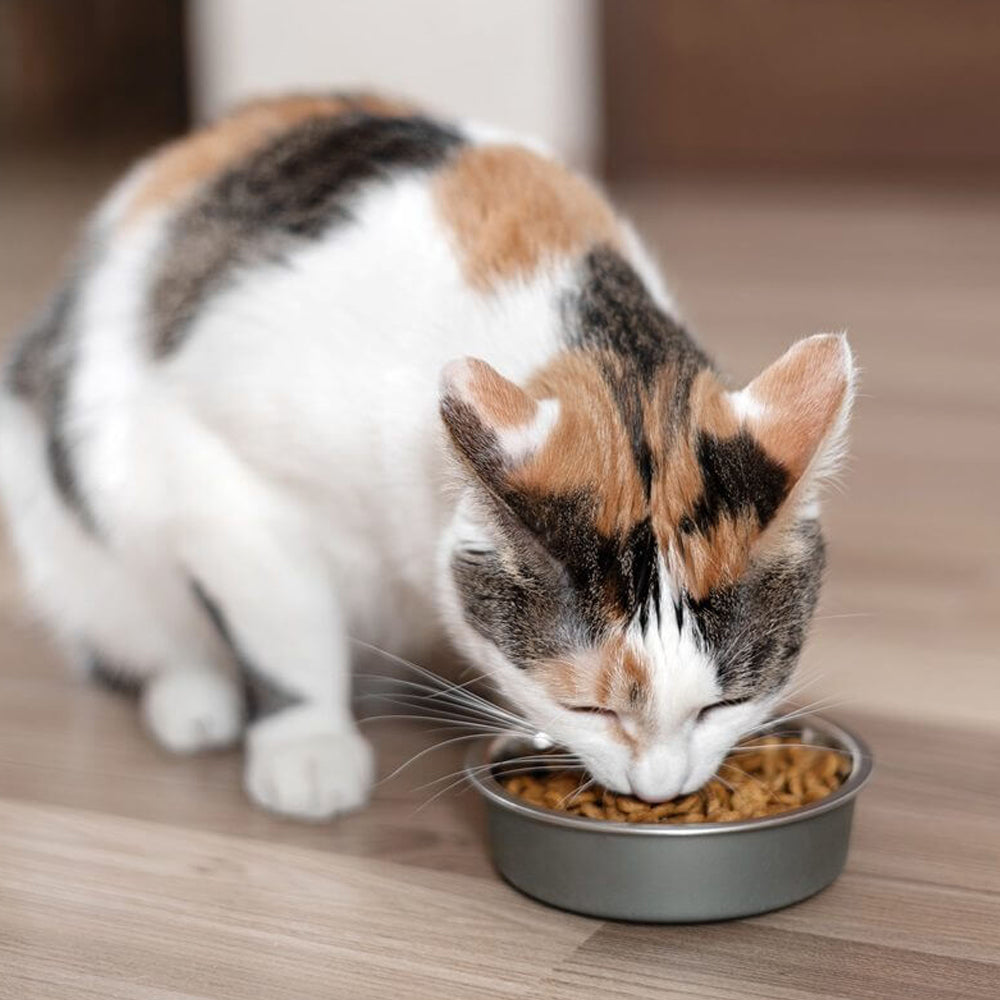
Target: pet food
773,775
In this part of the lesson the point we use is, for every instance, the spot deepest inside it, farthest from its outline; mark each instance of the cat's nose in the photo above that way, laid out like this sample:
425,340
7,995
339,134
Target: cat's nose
656,777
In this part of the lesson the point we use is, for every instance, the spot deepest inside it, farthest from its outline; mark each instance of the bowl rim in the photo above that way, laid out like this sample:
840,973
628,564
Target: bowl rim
848,742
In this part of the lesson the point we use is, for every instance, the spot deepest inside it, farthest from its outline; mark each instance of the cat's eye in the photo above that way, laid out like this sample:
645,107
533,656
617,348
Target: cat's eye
474,553
726,703
595,710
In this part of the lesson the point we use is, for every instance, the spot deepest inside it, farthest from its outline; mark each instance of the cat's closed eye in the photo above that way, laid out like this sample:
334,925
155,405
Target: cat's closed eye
595,710
705,712
474,553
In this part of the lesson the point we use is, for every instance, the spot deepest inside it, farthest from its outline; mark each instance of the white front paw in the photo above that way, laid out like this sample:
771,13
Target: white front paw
311,777
189,710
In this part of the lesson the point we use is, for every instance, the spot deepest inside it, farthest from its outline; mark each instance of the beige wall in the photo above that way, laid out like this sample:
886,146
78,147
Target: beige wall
529,65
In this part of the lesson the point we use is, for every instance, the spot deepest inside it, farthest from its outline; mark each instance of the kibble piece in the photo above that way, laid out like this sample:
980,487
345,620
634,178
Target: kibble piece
663,809
688,803
629,805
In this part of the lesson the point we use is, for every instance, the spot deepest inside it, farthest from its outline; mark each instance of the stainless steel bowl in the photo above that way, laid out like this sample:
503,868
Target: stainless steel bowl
671,873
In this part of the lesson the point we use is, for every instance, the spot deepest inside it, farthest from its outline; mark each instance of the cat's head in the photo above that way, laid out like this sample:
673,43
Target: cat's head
636,556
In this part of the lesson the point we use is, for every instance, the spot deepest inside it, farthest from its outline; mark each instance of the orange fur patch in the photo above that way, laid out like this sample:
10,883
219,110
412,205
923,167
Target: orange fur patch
802,394
564,680
720,557
187,163
622,682
510,209
677,480
588,450
611,677
499,402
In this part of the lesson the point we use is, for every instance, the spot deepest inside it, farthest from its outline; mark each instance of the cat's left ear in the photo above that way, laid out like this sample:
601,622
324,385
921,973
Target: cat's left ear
495,425
799,408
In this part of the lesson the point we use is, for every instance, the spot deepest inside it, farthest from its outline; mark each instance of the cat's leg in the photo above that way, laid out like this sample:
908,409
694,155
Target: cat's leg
187,709
268,592
192,708
131,626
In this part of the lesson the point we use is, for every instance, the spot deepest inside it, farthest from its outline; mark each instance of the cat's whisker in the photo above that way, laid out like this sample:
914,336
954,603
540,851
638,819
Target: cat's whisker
582,787
439,683
795,690
438,690
820,704
719,777
518,765
416,700
458,781
458,698
457,713
427,750
747,774
459,724
465,776
478,676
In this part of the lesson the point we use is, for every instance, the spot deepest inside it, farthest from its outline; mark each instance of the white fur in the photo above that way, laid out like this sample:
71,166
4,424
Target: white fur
521,442
190,710
746,405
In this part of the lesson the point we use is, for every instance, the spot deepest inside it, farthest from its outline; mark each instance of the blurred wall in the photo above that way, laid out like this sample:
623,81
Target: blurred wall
851,85
91,71
530,65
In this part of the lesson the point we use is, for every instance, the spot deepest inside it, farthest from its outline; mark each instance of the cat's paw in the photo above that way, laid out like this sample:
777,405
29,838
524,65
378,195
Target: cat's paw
191,710
311,777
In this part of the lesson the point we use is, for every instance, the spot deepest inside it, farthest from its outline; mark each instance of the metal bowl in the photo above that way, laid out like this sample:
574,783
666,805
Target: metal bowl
668,873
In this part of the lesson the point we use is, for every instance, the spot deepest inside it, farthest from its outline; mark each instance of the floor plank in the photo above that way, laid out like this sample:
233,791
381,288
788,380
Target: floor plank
753,961
249,917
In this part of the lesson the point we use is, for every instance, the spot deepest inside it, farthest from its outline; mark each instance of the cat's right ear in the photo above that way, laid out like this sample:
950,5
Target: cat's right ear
494,424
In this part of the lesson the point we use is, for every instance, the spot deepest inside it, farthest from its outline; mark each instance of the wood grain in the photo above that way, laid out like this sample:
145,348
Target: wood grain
125,873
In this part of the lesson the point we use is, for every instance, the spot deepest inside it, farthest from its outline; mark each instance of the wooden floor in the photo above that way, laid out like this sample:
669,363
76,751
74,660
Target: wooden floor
125,873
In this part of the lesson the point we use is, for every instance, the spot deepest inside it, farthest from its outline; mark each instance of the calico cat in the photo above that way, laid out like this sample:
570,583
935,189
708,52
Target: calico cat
333,368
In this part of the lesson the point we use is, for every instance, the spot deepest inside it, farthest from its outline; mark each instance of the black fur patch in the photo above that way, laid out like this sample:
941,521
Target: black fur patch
611,577
40,354
756,628
109,675
262,696
613,311
516,600
556,582
39,373
738,475
476,442
61,468
294,189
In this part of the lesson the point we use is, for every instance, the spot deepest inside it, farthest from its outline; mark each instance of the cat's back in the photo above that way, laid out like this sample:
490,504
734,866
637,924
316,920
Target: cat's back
295,276
323,257
358,199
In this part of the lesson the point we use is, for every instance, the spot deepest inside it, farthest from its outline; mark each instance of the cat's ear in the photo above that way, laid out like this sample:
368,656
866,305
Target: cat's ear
495,425
799,407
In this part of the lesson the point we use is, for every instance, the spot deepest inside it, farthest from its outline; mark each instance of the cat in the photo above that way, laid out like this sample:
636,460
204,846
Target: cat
331,367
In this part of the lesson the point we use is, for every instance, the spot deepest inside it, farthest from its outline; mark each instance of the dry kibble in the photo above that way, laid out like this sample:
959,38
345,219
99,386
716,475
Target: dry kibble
629,805
663,809
688,803
777,775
